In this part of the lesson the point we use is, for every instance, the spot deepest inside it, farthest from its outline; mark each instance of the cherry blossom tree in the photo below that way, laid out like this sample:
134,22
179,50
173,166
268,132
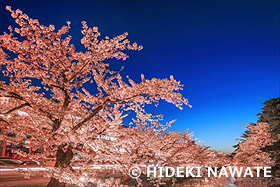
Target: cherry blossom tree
60,112
250,154
174,150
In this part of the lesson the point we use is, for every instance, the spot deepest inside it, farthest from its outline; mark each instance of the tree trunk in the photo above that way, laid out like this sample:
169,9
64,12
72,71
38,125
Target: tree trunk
55,183
62,160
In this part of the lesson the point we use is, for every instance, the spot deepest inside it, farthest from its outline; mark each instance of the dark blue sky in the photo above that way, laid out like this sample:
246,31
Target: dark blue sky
226,53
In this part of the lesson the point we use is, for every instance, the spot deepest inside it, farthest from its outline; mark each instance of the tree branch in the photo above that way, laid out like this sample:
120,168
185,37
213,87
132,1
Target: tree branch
107,102
91,115
1,119
74,76
67,97
16,108
56,122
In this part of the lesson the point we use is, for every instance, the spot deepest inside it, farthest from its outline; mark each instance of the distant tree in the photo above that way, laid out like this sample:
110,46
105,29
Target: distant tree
249,153
244,136
259,145
271,115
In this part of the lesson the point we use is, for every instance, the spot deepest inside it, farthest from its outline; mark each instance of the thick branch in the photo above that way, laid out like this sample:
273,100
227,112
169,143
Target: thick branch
4,121
16,108
56,122
67,97
91,115
15,95
107,102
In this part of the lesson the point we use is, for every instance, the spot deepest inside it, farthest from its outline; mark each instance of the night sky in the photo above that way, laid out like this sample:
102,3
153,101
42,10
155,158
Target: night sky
226,53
